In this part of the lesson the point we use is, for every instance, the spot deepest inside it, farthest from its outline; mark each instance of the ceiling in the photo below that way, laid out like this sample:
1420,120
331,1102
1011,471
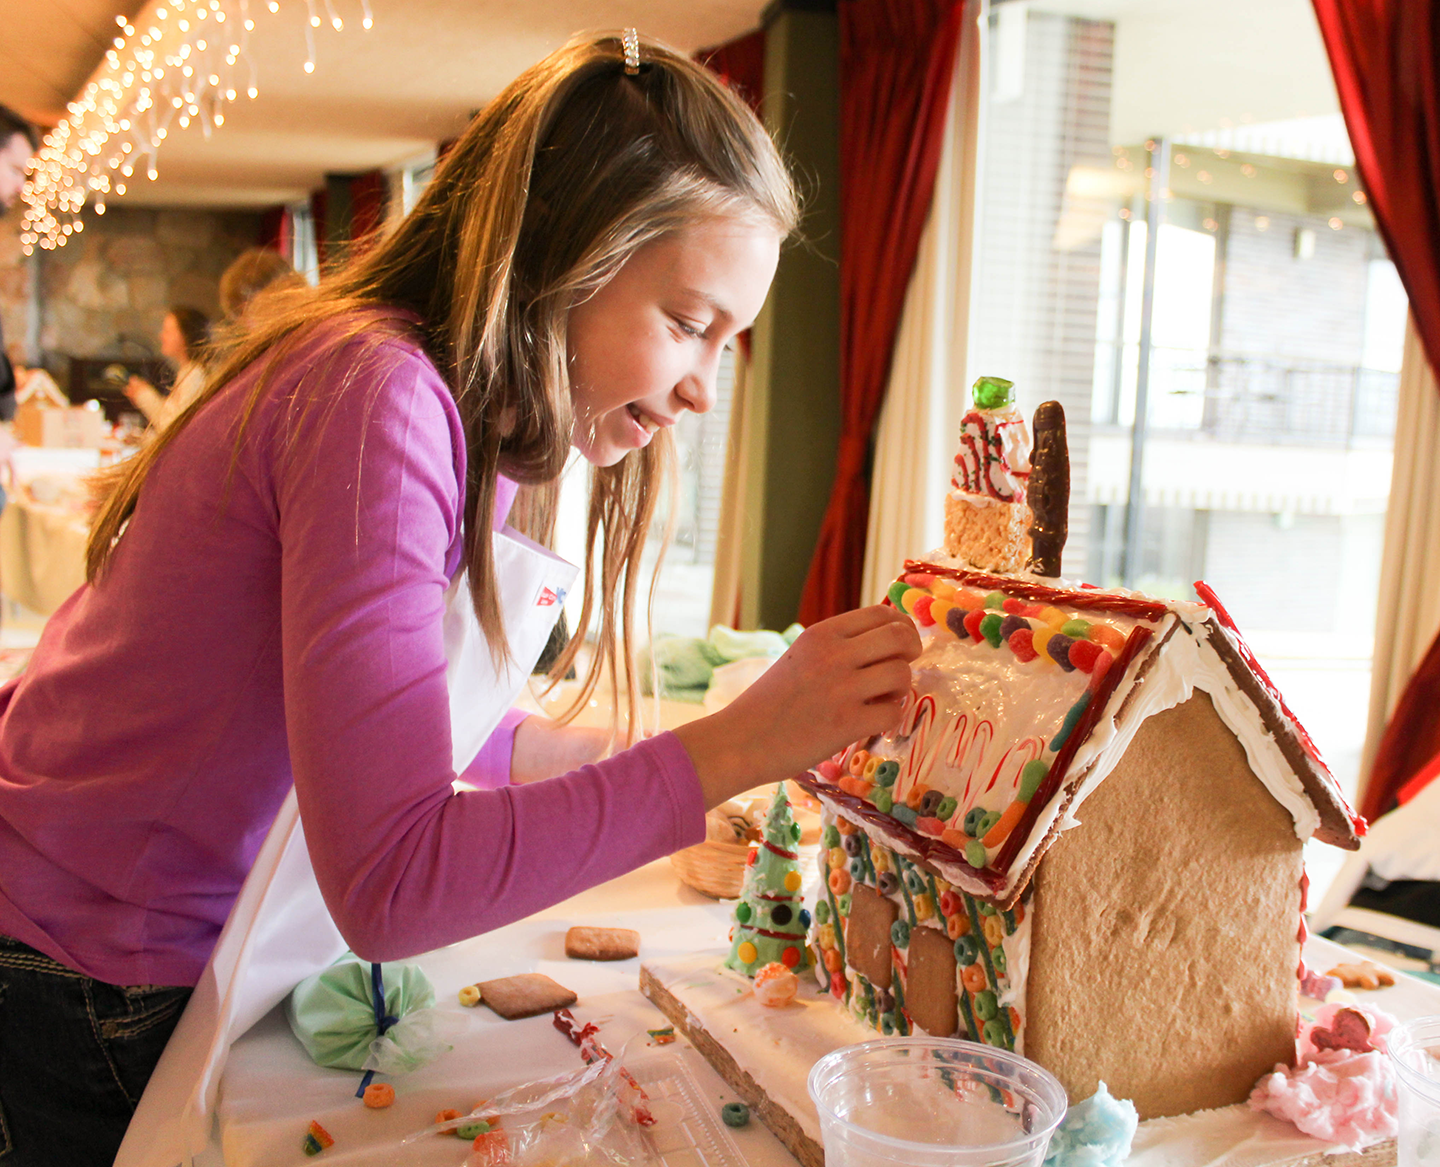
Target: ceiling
381,97
376,98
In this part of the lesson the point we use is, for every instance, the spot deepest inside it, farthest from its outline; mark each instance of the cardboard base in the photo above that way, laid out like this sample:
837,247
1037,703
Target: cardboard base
765,1055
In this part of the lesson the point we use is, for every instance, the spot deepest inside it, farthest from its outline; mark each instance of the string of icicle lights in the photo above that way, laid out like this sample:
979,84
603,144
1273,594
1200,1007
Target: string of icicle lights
179,62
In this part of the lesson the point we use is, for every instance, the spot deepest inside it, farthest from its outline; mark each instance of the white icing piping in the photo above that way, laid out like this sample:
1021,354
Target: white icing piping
1016,947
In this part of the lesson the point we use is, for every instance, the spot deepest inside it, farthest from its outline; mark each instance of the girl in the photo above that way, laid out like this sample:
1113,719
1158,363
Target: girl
183,336
592,243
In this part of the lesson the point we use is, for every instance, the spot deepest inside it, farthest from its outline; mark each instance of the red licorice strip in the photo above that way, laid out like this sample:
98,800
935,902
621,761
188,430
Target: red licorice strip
1212,601
930,849
1053,780
1098,601
774,850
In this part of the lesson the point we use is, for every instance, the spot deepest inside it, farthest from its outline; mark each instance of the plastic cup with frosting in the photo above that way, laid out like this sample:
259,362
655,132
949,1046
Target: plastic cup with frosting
927,1101
1415,1051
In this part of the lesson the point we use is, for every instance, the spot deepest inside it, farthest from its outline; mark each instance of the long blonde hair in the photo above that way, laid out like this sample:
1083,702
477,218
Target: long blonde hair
554,185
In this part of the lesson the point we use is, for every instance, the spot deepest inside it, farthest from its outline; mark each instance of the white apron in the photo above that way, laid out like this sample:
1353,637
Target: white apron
279,931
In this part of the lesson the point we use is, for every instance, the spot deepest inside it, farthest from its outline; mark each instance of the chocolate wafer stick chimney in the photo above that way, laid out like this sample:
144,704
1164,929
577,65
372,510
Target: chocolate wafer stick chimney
1049,489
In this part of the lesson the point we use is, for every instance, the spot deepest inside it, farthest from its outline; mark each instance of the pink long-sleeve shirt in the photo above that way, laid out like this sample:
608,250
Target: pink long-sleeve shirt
276,617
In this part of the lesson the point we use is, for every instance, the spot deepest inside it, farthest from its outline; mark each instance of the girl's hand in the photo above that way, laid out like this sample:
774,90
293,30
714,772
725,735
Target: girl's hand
844,679
545,749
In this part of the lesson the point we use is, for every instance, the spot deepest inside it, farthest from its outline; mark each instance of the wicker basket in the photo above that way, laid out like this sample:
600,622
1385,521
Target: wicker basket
714,869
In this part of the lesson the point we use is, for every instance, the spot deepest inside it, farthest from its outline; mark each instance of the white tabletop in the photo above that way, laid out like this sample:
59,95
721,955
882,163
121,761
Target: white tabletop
271,1090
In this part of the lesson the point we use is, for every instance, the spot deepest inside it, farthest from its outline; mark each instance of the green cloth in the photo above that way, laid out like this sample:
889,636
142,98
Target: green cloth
333,1015
685,664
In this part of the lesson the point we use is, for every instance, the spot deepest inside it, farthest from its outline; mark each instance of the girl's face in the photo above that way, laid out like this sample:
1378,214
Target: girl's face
646,346
172,340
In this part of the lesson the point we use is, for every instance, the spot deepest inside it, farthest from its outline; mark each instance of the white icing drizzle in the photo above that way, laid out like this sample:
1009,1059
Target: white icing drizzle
1016,947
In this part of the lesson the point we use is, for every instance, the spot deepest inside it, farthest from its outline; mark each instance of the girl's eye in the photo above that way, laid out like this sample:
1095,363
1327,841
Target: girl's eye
688,329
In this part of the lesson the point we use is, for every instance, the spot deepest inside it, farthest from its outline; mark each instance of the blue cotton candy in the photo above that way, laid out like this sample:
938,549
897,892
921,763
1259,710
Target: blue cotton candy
1094,1133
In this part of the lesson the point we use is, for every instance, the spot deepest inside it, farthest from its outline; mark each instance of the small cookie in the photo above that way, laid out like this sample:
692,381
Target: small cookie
1362,975
527,995
585,943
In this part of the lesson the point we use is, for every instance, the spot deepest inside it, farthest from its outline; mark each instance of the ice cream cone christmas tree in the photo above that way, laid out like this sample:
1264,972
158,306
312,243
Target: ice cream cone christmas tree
770,923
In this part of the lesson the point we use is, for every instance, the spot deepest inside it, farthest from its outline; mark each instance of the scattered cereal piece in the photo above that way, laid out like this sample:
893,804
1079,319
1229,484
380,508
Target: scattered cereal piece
446,1115
735,1114
378,1095
470,996
472,1130
662,1036
1362,975
489,1150
317,1138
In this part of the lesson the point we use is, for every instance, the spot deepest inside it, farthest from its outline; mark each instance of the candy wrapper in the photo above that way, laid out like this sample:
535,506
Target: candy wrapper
589,1116
333,1014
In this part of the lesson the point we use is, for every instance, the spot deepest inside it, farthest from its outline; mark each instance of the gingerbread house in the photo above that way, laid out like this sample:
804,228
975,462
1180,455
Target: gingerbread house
1084,841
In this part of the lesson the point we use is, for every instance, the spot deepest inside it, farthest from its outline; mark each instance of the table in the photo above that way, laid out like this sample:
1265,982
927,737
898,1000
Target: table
271,1090
44,526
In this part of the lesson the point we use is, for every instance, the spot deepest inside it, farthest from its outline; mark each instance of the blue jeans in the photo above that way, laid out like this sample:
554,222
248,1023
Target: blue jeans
75,1054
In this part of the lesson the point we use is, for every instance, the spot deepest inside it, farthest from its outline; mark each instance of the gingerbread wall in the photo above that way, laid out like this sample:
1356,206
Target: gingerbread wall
1165,949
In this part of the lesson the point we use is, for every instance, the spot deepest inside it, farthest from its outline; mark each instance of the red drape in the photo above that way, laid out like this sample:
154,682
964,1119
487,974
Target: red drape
277,230
742,63
896,61
1386,58
369,194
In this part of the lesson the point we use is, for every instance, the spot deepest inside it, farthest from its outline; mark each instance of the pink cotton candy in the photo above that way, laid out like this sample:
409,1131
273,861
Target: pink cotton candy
1337,1096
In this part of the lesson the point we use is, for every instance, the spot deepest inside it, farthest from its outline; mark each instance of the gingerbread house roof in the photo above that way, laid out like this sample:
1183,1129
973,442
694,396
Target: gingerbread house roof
1027,694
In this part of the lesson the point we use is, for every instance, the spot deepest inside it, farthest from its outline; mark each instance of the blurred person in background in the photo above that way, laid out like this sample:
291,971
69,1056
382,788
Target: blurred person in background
251,273
18,143
184,337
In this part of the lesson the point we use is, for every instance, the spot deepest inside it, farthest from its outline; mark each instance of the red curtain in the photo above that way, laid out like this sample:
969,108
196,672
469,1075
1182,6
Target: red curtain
277,230
896,61
742,63
1386,58
369,194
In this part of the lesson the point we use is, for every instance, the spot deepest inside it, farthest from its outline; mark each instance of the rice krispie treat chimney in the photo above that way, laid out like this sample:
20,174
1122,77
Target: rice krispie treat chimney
987,521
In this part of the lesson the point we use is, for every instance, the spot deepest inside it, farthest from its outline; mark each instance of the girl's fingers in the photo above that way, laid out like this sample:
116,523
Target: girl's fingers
891,640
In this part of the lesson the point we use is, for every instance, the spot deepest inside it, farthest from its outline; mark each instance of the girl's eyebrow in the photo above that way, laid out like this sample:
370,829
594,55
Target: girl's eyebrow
710,302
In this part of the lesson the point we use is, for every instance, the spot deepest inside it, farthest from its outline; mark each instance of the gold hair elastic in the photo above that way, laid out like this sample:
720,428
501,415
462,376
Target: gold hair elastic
631,42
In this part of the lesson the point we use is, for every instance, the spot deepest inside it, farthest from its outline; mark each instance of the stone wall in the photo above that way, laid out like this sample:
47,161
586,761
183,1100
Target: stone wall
106,291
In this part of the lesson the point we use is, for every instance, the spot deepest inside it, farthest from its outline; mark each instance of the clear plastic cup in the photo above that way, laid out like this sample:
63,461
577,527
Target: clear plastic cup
927,1101
1415,1051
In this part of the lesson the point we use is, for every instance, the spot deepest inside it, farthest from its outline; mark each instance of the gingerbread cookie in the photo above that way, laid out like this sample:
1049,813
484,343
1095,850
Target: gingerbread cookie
586,943
526,995
1362,975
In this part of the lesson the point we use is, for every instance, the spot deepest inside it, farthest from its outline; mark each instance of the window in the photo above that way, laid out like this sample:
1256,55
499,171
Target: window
1250,356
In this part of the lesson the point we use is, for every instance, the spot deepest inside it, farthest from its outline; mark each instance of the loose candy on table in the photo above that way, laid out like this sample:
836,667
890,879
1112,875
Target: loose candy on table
663,1036
470,996
735,1114
378,1095
317,1138
775,985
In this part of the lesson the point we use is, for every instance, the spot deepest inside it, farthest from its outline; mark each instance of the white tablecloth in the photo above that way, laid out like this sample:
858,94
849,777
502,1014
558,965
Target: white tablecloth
272,1090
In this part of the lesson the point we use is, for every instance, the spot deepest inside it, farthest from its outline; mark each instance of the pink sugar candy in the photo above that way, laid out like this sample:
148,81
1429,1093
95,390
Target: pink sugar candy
775,985
1338,1096
1381,1023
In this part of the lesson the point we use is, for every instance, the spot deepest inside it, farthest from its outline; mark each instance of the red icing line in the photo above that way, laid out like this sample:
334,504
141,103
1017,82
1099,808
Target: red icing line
771,935
774,850
1098,601
1053,780
928,848
1212,601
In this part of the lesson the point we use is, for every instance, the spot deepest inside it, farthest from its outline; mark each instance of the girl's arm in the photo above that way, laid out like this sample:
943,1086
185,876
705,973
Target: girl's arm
368,504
